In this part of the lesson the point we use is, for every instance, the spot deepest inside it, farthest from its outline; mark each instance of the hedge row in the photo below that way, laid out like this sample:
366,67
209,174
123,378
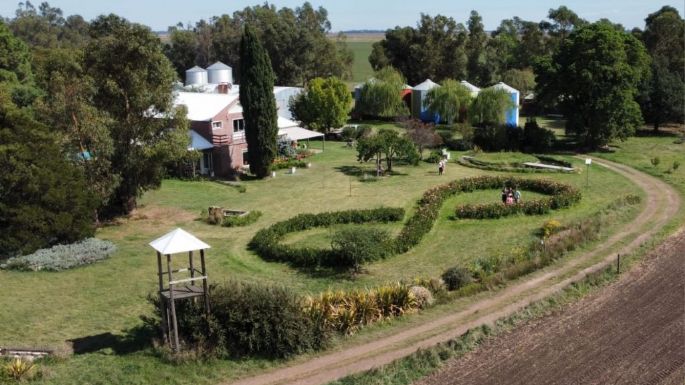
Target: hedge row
562,196
267,243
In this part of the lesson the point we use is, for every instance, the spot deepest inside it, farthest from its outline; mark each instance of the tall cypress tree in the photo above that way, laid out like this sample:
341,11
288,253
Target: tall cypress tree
259,105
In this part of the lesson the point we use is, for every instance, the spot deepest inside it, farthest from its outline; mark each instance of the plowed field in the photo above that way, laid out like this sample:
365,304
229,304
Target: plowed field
630,333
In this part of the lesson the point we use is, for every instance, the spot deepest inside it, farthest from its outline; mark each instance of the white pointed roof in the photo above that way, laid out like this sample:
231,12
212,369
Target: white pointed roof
178,241
470,86
506,87
196,69
219,66
426,85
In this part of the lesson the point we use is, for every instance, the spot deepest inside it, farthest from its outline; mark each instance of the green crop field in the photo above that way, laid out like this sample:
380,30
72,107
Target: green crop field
361,68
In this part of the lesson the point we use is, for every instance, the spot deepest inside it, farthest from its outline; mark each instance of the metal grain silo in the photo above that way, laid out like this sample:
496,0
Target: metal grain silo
196,76
418,95
219,73
512,114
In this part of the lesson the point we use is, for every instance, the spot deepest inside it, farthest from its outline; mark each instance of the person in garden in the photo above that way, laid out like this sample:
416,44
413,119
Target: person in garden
441,166
517,196
504,195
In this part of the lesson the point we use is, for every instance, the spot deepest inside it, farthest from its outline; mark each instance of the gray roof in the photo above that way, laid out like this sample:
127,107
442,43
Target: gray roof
219,66
426,85
196,69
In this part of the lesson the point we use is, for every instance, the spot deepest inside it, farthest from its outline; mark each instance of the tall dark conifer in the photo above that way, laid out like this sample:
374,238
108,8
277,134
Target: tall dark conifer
259,105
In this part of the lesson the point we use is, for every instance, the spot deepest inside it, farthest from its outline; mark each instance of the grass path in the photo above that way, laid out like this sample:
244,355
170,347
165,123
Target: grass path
662,203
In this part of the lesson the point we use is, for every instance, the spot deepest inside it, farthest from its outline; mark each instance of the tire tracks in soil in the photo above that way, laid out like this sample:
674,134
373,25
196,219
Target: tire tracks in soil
662,203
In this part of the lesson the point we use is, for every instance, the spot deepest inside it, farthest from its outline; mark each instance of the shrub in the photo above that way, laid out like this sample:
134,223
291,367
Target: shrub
354,246
456,277
536,138
655,161
498,137
62,257
424,297
675,165
19,369
550,227
280,164
244,220
347,312
248,319
434,157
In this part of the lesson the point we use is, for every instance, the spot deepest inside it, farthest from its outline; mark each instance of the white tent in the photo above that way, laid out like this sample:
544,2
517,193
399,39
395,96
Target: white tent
298,133
178,241
198,142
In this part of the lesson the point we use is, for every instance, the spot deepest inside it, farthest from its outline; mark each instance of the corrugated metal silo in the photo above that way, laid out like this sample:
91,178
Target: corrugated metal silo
219,73
196,76
418,95
512,115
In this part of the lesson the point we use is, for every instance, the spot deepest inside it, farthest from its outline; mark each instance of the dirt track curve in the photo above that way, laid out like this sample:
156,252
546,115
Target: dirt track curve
631,333
662,203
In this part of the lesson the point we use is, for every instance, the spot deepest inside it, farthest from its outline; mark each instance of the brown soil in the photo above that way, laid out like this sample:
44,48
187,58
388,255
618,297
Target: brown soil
662,203
631,333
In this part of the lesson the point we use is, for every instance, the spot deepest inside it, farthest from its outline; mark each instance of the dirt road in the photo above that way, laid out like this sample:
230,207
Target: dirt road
662,203
630,333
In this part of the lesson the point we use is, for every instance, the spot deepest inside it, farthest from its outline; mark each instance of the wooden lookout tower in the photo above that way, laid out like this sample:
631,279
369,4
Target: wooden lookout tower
189,282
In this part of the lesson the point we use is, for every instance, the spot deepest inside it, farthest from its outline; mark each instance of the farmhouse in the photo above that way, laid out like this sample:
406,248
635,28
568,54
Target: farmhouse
217,128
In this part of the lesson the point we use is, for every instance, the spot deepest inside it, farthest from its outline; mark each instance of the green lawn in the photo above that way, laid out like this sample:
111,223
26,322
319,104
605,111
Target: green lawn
48,309
361,68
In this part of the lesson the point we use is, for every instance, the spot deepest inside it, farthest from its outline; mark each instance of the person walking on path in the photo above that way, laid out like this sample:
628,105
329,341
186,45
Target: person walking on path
441,167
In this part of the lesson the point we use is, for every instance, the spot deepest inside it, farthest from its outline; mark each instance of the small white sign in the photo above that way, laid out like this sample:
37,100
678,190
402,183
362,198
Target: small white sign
588,161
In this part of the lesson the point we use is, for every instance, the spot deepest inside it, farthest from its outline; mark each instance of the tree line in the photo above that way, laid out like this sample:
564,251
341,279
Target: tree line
575,67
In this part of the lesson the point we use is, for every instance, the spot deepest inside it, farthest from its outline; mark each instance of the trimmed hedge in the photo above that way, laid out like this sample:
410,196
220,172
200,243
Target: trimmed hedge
267,244
562,196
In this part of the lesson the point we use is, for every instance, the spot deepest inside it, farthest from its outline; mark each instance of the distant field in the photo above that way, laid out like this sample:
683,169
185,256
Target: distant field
361,69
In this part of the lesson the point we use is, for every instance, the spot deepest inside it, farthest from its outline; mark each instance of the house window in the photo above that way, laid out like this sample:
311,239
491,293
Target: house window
246,161
217,125
238,126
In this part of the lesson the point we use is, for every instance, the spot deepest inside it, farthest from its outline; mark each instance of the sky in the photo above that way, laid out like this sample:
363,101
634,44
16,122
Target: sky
358,14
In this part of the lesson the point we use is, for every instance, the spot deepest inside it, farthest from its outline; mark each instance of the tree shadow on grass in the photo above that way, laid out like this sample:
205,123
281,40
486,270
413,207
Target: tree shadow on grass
133,340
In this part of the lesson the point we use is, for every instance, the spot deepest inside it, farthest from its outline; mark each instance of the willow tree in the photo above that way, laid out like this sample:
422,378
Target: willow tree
490,107
381,95
448,100
259,105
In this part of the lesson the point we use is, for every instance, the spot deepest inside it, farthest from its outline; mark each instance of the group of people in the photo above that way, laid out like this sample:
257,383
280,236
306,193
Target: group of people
510,195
